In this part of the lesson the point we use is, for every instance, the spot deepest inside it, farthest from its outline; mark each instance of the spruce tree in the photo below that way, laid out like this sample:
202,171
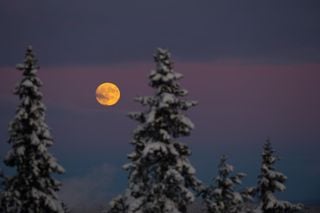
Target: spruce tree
32,188
66,208
221,196
161,178
271,181
117,205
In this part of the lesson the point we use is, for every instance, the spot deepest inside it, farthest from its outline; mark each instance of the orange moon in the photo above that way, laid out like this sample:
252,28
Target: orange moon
107,94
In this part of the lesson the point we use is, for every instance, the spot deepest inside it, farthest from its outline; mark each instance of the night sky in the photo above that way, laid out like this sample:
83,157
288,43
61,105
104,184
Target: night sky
254,67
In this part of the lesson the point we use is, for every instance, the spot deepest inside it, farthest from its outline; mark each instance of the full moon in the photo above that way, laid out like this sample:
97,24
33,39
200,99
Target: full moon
107,94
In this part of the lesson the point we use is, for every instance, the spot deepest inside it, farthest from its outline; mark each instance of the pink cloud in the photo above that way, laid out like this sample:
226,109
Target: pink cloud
236,96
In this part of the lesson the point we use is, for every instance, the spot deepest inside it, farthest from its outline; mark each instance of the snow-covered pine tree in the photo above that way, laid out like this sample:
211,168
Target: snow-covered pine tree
66,208
118,205
221,196
32,188
271,181
161,178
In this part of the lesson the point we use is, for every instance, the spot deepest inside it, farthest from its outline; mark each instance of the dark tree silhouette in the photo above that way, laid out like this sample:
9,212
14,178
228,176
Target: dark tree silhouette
271,181
160,175
32,188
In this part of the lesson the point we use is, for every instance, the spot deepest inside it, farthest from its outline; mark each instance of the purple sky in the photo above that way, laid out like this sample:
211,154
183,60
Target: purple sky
253,67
